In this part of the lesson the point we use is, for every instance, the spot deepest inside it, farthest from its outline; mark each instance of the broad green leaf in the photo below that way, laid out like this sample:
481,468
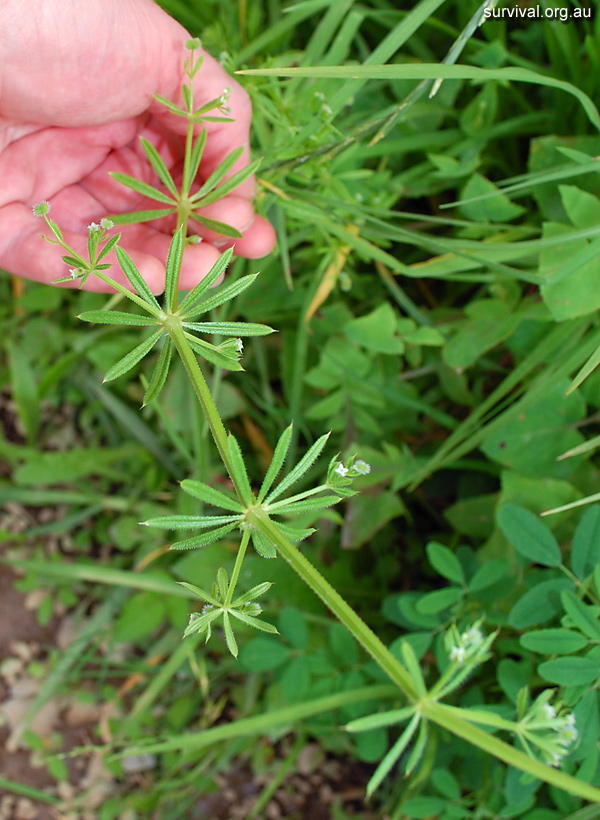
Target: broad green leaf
216,226
553,641
212,354
160,372
224,294
230,328
570,671
263,547
263,655
229,636
204,539
293,626
227,187
141,216
445,562
116,317
173,268
377,331
131,359
195,158
496,208
306,505
583,616
529,536
138,283
219,173
433,602
302,467
189,522
585,549
156,161
276,464
488,575
210,495
539,604
423,807
141,187
25,391
238,469
187,307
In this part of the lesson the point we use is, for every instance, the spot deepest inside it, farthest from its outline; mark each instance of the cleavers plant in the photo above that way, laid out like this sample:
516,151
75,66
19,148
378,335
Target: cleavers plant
544,731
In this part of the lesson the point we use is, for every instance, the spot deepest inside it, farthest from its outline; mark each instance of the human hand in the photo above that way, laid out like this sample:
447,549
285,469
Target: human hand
77,87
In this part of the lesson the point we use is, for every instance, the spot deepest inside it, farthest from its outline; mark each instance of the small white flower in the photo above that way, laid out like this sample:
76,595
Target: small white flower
555,760
93,226
361,467
74,273
341,470
207,608
549,711
107,224
41,208
473,636
458,654
240,345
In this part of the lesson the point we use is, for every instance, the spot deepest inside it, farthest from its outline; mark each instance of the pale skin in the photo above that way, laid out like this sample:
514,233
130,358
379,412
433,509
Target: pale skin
76,93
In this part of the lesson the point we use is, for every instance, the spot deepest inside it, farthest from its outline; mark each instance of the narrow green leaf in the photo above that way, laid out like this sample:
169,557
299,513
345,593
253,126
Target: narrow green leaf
413,668
302,467
240,476
229,636
295,534
392,756
225,293
202,623
186,93
529,536
160,372
211,354
195,159
418,749
75,262
218,269
136,280
204,539
174,109
227,187
189,522
199,592
281,450
219,173
131,359
263,547
587,369
116,317
305,505
230,328
210,495
380,720
173,269
582,615
252,594
216,226
256,623
108,247
156,161
141,216
55,229
141,187
222,582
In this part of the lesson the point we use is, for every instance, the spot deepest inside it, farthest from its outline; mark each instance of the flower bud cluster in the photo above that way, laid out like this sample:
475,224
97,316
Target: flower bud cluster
550,728
465,646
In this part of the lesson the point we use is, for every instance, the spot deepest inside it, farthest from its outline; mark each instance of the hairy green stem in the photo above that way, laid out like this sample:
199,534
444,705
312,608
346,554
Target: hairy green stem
237,567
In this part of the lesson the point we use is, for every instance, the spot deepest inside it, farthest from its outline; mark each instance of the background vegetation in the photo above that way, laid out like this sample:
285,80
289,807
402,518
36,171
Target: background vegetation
435,289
